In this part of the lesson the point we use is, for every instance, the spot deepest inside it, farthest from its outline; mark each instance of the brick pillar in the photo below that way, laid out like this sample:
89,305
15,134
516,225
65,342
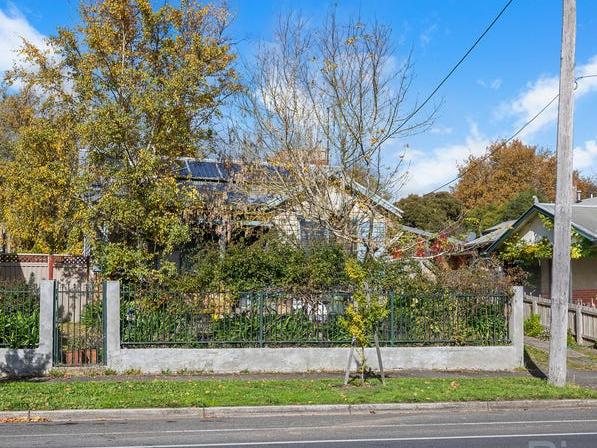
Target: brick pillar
51,263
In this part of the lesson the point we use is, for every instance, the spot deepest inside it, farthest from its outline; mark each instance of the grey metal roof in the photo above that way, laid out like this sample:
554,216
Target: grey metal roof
584,216
584,220
499,226
417,231
205,174
378,200
487,239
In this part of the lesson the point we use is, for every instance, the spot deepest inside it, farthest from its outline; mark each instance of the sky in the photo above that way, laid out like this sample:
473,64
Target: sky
507,79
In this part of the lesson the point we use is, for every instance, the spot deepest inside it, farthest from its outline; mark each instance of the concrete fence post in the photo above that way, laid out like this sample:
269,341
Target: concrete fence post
517,324
47,289
112,316
578,327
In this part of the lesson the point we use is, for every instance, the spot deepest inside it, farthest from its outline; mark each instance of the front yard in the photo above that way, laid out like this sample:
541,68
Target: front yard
31,395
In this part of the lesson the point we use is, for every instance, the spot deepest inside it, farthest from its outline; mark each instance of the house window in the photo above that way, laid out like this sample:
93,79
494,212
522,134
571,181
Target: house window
378,233
312,232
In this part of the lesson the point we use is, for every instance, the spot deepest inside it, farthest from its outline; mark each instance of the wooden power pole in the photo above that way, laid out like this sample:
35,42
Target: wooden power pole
560,287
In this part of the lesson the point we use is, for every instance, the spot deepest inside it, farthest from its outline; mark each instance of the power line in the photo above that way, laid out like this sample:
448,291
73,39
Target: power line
505,142
447,228
443,81
497,148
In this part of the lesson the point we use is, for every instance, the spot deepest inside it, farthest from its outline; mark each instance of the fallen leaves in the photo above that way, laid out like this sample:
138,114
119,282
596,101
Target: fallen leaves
24,420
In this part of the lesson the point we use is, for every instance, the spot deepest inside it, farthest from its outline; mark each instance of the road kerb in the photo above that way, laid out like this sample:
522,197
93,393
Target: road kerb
255,411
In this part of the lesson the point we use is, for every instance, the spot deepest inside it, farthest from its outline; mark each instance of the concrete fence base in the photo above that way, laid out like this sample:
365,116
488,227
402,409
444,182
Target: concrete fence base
286,360
234,360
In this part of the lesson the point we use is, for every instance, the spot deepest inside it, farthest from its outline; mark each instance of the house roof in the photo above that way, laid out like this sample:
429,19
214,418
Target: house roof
213,175
490,235
584,220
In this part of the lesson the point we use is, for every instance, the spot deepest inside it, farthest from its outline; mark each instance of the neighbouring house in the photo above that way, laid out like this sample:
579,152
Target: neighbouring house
528,241
253,209
487,237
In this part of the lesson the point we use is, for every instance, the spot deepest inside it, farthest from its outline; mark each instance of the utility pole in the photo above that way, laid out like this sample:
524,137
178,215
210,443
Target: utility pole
560,287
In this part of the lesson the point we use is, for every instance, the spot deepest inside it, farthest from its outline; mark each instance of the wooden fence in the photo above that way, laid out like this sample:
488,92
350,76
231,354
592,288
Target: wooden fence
582,320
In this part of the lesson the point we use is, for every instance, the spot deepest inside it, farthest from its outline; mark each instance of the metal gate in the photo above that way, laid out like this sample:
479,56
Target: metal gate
79,328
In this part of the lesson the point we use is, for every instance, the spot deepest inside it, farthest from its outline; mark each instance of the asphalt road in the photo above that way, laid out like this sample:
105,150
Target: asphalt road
511,429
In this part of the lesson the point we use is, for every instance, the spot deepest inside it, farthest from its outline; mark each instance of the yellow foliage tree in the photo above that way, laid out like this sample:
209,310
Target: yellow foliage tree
490,181
136,88
39,199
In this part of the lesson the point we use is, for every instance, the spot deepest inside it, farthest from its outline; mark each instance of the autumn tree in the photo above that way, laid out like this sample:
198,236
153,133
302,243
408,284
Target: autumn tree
141,88
489,182
321,105
40,200
39,194
17,109
432,212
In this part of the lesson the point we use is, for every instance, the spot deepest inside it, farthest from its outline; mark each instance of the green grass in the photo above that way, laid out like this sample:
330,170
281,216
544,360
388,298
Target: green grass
23,395
537,355
541,358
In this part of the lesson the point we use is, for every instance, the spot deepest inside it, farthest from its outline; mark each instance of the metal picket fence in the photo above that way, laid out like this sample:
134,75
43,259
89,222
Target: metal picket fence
78,325
19,316
160,318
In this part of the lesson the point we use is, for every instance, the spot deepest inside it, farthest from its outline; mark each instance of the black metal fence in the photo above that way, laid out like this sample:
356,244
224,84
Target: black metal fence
153,318
78,325
19,316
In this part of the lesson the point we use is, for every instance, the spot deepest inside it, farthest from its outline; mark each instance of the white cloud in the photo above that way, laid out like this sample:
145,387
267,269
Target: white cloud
427,34
585,157
13,28
441,130
428,170
538,93
493,84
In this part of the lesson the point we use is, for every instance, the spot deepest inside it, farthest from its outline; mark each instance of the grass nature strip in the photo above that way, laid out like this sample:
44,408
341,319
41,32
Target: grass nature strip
26,395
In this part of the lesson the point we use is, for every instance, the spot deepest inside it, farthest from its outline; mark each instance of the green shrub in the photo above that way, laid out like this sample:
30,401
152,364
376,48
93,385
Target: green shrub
533,327
444,316
570,339
19,316
295,328
265,264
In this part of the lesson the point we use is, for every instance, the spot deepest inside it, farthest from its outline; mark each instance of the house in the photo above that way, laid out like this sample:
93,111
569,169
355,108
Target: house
530,238
253,208
488,237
